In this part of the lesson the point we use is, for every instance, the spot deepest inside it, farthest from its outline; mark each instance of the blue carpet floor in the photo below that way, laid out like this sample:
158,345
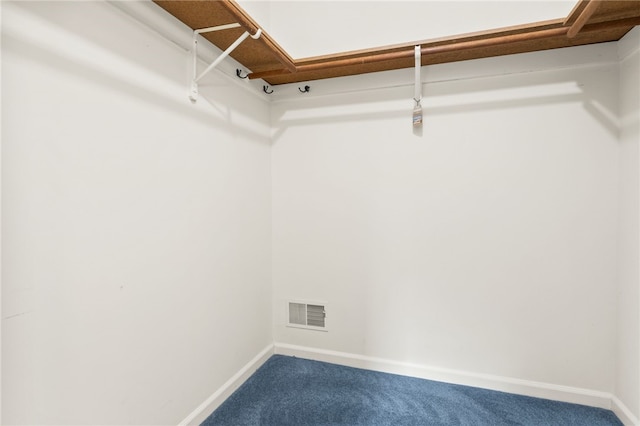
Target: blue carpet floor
293,391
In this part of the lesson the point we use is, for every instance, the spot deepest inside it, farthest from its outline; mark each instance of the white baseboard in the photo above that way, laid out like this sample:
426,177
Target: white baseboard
207,407
624,414
505,384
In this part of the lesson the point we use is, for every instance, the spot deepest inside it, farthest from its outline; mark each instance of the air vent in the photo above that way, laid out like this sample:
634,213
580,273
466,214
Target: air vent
307,315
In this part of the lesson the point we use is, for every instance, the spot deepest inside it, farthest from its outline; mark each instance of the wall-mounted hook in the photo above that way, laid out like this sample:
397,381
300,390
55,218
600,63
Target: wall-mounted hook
239,74
264,89
306,89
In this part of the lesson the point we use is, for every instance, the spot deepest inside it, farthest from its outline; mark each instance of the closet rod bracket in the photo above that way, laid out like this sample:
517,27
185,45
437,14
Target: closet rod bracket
193,92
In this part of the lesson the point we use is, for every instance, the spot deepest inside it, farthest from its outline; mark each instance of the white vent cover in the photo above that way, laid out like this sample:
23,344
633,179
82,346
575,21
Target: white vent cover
307,315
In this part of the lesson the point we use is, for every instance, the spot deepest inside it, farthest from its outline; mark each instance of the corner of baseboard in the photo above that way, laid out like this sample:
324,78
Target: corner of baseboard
205,409
622,411
504,384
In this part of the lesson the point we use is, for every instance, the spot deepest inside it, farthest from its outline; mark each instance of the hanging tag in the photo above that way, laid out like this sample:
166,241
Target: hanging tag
417,115
417,110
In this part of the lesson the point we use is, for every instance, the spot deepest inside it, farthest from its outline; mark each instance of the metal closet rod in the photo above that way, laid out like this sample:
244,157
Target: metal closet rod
456,46
409,52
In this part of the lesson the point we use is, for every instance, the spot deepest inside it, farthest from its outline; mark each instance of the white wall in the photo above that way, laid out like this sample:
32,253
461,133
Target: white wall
487,244
628,355
1,316
136,226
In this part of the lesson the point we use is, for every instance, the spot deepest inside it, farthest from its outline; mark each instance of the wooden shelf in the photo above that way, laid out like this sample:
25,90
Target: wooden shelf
590,21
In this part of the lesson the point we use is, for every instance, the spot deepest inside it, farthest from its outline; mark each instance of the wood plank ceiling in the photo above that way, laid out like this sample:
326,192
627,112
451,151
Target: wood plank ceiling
590,21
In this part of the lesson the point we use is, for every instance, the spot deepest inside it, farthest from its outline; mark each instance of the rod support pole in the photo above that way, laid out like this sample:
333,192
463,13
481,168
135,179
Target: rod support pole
193,93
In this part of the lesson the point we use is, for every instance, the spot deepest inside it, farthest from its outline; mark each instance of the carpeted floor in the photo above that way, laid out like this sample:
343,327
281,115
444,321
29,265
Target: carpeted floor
293,391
